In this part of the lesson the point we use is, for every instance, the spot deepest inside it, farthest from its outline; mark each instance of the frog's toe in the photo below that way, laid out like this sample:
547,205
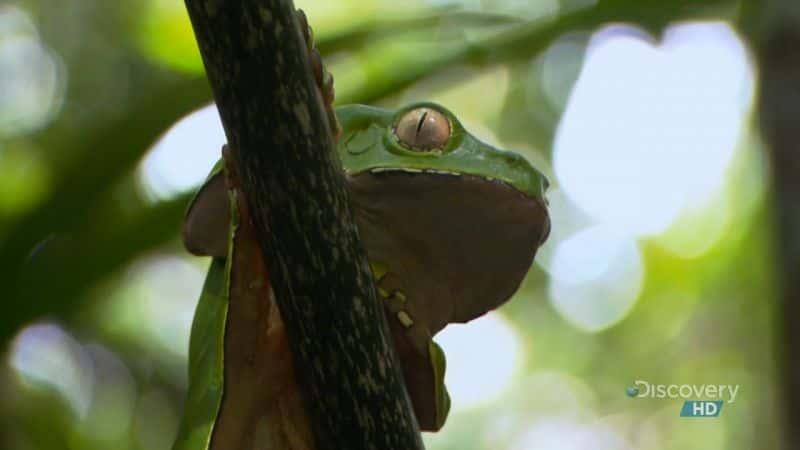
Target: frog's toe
442,397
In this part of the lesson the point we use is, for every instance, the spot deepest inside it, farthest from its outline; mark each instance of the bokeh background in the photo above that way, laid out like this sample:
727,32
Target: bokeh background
659,267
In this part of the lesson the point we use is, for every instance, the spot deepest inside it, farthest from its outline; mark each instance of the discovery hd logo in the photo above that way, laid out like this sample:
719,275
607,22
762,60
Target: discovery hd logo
713,396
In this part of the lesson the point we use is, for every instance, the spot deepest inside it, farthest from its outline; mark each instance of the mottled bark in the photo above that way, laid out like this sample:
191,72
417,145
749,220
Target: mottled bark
278,131
778,49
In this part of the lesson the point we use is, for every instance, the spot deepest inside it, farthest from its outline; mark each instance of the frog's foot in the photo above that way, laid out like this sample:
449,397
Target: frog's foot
422,360
400,309
323,78
423,373
441,396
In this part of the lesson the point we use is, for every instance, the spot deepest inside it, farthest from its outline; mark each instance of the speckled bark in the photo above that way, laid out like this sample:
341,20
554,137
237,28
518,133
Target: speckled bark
779,110
275,123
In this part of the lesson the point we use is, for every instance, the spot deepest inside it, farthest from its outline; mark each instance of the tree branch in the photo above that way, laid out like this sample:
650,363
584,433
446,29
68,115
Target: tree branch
778,38
256,61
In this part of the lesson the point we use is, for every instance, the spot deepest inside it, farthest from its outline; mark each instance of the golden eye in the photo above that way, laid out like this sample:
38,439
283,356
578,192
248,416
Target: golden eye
423,129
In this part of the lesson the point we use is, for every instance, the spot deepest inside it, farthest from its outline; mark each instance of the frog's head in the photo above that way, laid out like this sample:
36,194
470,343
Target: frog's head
460,212
426,137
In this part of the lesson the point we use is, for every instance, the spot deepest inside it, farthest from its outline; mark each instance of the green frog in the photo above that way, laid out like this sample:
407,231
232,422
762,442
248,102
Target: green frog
450,224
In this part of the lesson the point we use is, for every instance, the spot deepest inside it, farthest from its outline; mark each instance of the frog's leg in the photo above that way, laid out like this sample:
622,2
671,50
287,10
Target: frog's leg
423,361
396,302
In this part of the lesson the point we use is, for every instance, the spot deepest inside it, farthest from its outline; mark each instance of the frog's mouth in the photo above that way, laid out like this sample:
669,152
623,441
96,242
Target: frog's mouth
475,238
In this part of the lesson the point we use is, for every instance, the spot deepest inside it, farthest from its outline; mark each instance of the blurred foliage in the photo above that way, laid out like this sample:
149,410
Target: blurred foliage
100,295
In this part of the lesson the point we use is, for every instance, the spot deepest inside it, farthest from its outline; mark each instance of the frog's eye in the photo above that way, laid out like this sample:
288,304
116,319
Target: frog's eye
423,129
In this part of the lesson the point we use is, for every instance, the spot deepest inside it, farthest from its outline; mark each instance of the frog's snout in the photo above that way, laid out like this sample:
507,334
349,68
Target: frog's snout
545,184
528,178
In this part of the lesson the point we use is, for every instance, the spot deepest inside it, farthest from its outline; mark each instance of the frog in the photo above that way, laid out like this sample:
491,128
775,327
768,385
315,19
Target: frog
450,224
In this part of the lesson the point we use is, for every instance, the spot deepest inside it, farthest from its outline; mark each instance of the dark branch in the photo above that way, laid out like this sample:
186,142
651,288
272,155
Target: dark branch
256,61
779,110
